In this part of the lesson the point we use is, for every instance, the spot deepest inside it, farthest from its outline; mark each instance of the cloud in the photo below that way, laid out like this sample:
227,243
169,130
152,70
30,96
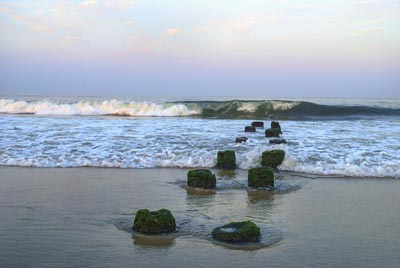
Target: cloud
70,42
369,31
115,4
240,25
40,27
128,23
119,4
243,25
35,24
88,3
4,10
170,32
205,28
373,22
363,2
142,43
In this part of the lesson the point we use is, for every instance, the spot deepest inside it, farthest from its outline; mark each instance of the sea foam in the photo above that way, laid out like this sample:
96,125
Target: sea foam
256,109
345,147
107,107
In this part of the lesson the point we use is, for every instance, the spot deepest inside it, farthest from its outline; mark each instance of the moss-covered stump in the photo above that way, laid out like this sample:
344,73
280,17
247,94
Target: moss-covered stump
257,124
272,132
277,141
260,177
272,158
201,178
154,222
249,129
245,231
275,124
241,139
226,159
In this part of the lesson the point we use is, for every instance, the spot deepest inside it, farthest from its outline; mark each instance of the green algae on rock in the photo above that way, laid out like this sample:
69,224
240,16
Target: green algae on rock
275,124
241,139
257,124
249,129
201,178
261,177
272,132
154,222
272,158
277,141
226,159
245,231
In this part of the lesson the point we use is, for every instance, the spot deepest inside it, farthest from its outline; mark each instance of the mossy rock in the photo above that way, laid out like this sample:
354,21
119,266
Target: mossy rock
272,158
226,159
277,141
249,129
275,124
241,139
272,132
245,231
261,177
257,124
201,178
154,222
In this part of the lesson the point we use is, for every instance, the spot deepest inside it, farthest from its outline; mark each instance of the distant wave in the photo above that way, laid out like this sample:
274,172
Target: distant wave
279,109
240,109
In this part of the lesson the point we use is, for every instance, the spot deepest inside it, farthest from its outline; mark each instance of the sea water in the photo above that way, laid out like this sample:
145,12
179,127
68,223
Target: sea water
325,136
82,217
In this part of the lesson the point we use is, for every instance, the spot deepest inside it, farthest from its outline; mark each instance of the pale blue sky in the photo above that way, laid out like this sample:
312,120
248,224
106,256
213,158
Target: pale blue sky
161,48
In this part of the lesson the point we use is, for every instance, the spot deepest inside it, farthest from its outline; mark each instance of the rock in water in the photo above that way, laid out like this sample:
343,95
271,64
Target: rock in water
245,231
275,124
249,129
257,124
272,132
241,139
154,222
261,177
226,159
277,141
272,158
201,178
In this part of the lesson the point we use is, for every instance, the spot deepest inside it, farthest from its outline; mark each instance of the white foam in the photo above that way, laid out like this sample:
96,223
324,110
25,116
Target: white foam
342,168
107,107
282,106
247,107
345,148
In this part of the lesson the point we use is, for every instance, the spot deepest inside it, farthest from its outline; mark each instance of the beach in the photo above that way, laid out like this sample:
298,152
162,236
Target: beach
233,134
81,217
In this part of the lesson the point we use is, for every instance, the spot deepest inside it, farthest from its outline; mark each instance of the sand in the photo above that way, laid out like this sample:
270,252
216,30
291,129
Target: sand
81,217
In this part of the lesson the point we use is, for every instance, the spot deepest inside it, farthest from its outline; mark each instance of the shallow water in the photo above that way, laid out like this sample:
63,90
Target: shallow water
343,137
80,217
364,147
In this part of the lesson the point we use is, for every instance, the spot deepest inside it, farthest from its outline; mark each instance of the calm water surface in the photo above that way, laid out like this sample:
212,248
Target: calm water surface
80,217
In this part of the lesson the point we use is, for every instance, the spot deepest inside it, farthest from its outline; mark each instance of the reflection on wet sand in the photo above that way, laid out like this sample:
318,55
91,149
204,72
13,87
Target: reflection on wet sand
160,240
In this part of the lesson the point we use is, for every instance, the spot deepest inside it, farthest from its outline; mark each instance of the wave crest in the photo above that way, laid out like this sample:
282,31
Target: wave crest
234,109
107,107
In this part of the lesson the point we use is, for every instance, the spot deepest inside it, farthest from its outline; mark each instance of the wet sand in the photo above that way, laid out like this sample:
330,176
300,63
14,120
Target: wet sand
81,217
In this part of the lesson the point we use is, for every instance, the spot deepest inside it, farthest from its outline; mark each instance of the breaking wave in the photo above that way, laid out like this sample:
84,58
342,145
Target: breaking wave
279,109
107,107
234,109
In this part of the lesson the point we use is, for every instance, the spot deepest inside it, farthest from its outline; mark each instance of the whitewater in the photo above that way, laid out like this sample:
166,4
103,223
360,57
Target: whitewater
325,137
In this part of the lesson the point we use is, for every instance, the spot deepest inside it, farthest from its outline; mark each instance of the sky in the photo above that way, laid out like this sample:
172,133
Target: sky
263,48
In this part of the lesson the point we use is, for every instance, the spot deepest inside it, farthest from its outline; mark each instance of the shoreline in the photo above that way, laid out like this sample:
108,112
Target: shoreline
74,217
213,169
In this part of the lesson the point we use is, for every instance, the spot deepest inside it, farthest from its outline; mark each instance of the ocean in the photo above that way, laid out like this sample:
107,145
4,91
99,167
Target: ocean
340,137
74,172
